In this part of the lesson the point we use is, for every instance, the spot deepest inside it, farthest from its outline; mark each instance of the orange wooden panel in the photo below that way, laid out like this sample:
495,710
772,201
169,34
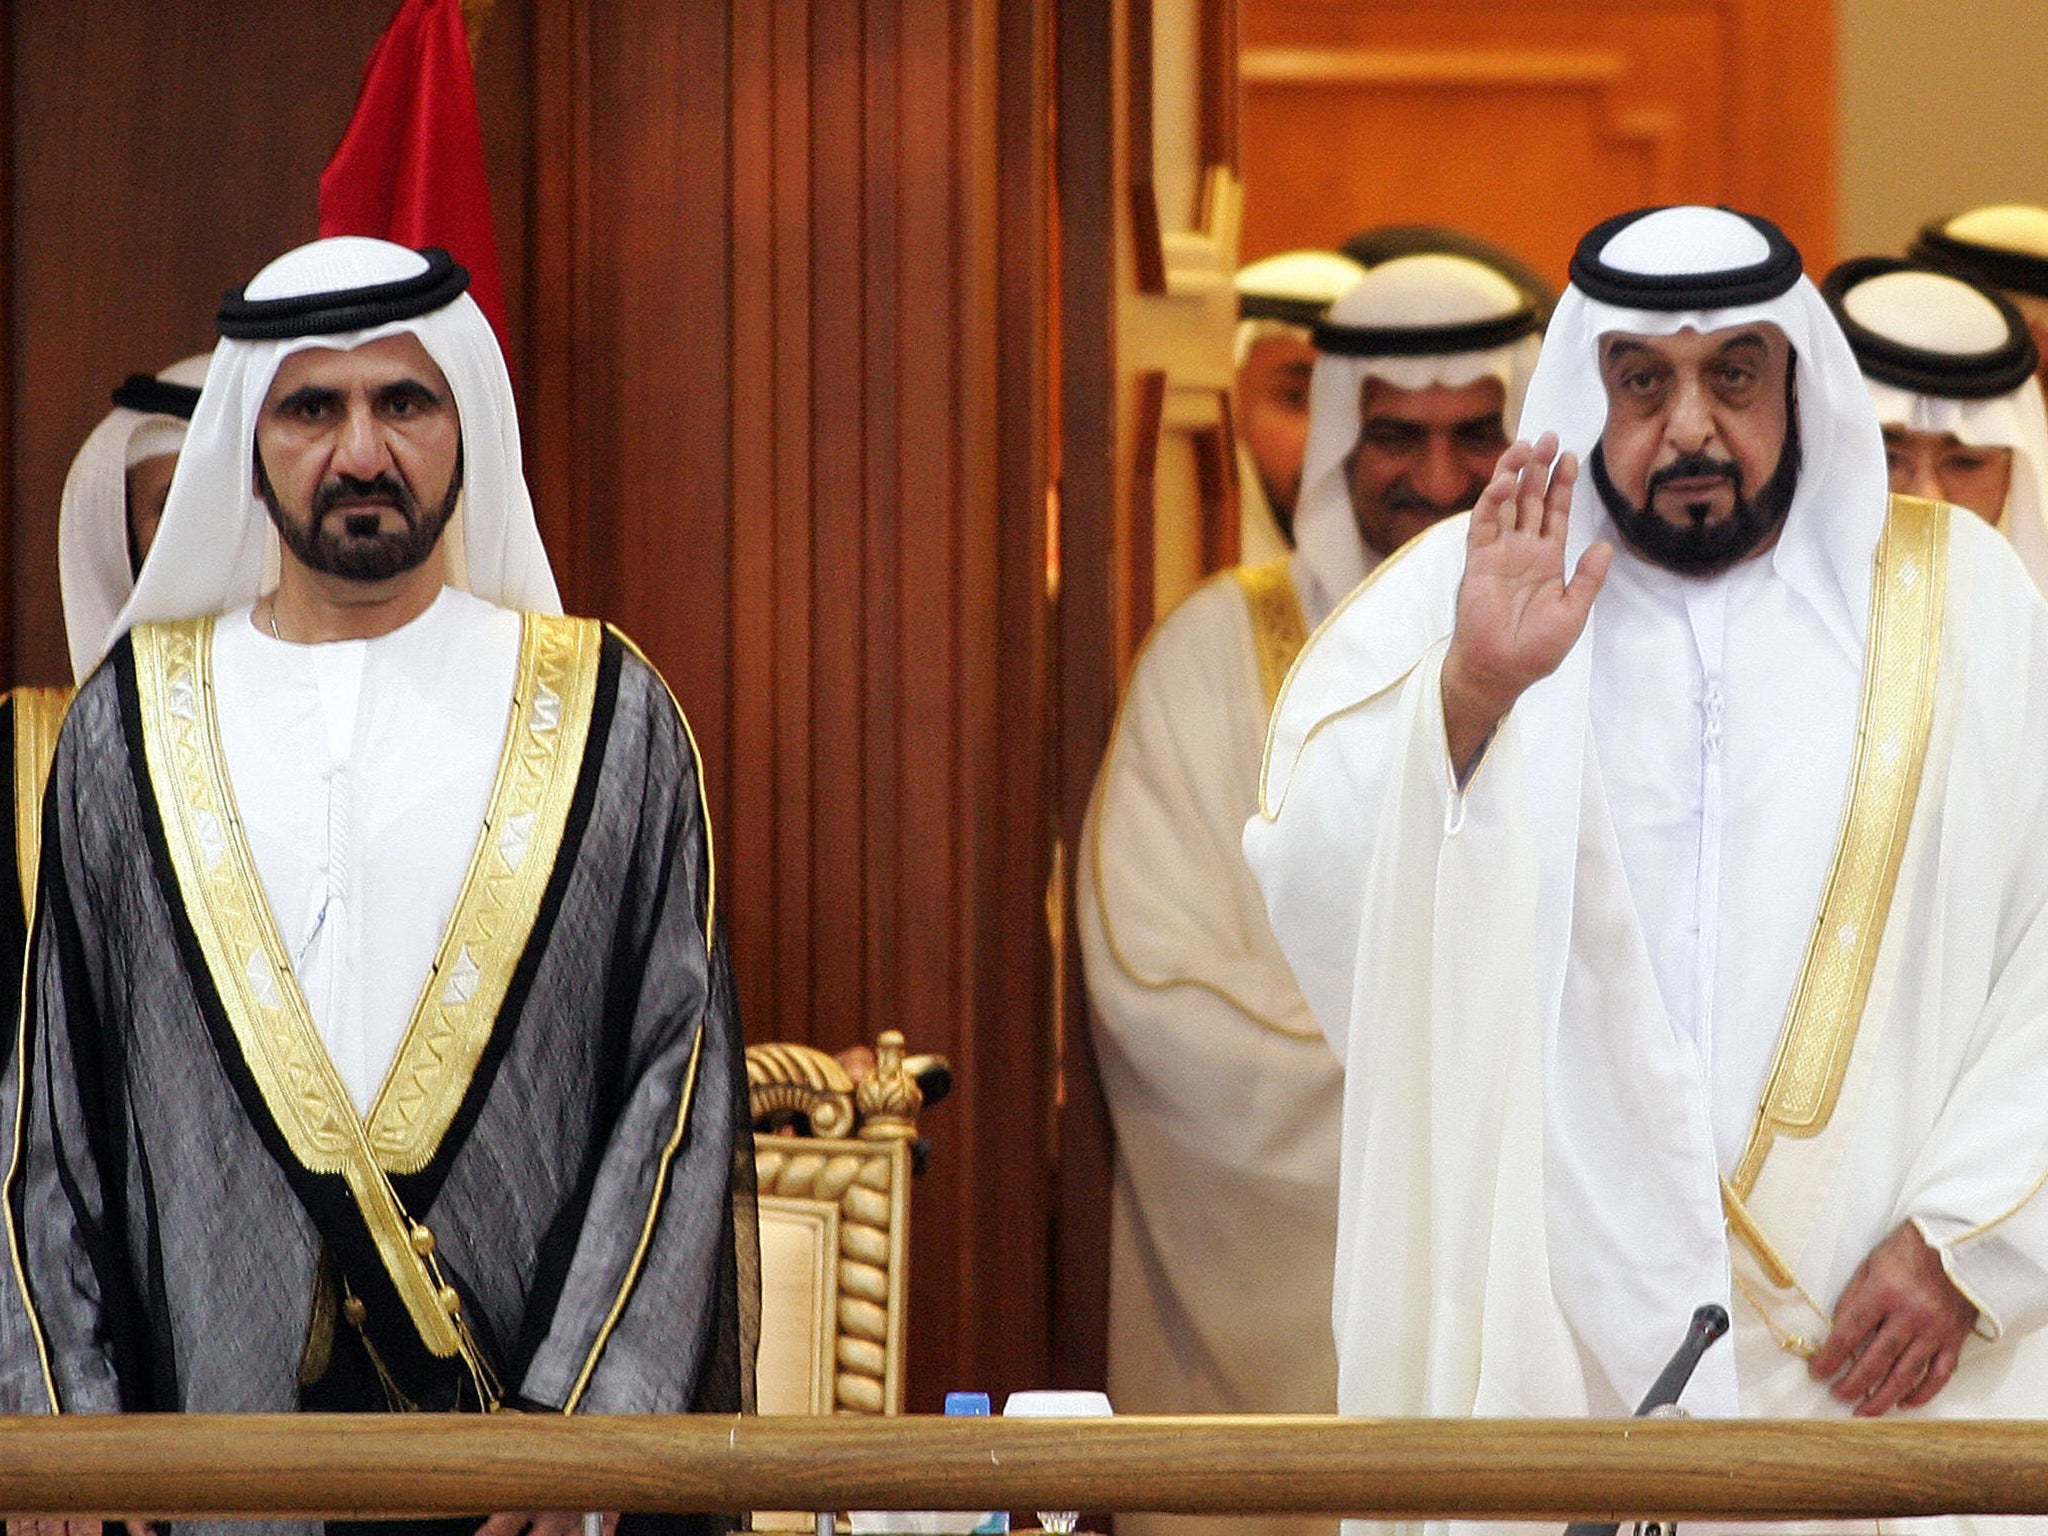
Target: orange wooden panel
1529,122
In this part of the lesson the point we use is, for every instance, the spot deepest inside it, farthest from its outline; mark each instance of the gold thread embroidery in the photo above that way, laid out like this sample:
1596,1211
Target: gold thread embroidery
223,900
1775,1271
1279,628
1901,669
632,1277
38,715
1792,1343
259,989
1744,1226
501,893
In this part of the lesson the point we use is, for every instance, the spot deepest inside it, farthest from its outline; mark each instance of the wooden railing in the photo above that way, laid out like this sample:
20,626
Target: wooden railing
171,1466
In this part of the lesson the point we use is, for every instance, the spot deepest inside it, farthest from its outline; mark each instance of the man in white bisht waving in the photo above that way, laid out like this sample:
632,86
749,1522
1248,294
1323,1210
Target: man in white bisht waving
1224,1096
381,1051
1649,848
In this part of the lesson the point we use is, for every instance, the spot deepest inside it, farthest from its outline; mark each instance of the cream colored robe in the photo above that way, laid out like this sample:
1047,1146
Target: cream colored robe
1531,1201
1224,1095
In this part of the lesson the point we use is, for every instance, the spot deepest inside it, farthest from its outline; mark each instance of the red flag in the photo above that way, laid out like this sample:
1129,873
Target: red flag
411,166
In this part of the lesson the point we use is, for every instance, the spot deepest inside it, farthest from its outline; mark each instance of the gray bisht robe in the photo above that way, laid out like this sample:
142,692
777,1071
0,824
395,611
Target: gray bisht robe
591,1194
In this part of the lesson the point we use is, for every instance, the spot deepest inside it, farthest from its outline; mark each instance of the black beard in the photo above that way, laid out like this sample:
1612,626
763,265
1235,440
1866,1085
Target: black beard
350,551
1703,549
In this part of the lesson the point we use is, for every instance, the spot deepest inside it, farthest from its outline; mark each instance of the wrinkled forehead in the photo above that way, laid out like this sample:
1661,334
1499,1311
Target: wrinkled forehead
1763,340
376,364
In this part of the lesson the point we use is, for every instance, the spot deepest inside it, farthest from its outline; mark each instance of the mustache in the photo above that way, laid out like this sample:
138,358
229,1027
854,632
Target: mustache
1693,466
381,487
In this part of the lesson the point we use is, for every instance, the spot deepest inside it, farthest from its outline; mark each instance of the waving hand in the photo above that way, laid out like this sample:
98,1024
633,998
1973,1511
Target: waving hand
1517,614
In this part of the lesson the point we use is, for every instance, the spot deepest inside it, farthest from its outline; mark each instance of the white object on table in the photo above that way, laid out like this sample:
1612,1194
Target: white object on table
1057,1405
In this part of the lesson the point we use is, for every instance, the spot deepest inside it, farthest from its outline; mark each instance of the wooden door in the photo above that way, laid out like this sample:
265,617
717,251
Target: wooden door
1528,122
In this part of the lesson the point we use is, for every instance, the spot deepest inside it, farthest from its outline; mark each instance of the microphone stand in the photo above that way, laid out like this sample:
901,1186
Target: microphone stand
1661,1401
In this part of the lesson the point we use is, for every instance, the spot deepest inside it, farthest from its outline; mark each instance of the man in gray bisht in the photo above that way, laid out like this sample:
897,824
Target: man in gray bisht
381,1050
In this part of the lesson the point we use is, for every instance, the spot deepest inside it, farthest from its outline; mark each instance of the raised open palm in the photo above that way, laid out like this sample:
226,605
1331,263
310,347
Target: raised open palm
1517,614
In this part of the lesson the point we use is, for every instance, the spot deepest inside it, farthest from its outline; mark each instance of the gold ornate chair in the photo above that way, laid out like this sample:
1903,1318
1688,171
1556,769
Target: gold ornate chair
833,1156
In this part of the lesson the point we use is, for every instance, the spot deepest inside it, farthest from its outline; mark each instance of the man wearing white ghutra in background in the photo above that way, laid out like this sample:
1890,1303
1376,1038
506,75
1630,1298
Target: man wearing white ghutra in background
381,1051
1950,365
1648,845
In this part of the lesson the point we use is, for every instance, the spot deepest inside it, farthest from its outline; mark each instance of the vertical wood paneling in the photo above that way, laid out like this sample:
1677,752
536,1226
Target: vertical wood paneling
793,414
839,692
925,655
750,828
550,409
8,270
798,318
880,555
1608,104
1017,983
1088,625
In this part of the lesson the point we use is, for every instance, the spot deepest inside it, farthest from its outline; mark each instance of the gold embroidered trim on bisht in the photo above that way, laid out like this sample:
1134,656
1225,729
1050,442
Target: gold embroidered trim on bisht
38,714
1279,627
501,895
223,899
1901,668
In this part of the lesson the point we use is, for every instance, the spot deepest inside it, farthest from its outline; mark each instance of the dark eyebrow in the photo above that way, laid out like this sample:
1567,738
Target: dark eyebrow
407,387
1748,340
1622,346
305,395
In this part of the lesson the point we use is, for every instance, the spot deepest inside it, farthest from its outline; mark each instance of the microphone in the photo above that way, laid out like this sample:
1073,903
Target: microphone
1708,1324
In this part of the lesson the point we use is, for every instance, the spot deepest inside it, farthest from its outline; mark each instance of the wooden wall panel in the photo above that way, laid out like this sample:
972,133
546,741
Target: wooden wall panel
159,155
804,459
1528,123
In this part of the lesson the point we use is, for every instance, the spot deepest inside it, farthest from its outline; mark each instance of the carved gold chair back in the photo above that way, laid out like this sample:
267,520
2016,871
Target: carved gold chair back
832,1152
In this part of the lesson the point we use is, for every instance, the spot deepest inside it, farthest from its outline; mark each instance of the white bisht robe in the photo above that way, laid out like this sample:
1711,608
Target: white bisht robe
1224,1095
1536,1145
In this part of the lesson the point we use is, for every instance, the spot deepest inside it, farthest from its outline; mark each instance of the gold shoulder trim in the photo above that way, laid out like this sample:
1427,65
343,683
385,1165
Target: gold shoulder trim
548,730
703,790
1901,668
1279,627
38,714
